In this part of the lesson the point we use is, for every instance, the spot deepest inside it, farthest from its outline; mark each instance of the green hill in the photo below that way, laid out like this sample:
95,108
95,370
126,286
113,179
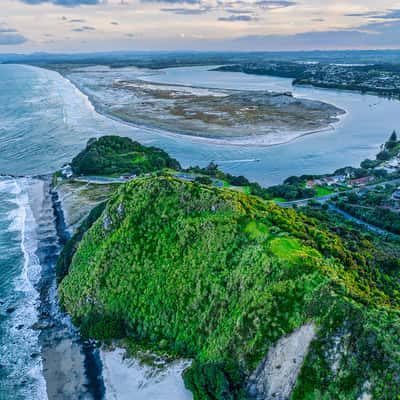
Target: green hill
220,276
110,155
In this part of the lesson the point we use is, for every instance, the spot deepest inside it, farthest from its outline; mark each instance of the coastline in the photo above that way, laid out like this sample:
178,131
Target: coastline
272,139
81,369
71,368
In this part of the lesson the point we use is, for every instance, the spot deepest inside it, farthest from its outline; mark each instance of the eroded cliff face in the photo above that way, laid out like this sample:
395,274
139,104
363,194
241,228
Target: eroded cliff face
276,375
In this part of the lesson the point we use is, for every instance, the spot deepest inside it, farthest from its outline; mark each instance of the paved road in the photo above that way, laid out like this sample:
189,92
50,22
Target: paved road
360,222
324,199
345,215
99,179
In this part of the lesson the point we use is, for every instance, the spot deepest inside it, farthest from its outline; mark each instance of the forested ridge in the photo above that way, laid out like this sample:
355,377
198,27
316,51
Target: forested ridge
220,276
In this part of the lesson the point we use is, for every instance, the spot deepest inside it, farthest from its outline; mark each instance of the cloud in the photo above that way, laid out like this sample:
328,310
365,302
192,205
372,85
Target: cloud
10,36
172,1
367,14
371,35
187,11
64,3
8,30
84,29
238,18
273,4
390,14
238,11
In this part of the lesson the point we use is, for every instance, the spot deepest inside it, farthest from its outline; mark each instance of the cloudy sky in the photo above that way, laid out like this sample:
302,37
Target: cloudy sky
106,25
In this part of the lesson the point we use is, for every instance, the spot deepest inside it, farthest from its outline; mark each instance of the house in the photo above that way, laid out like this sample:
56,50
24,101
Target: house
312,183
329,181
361,181
339,178
66,171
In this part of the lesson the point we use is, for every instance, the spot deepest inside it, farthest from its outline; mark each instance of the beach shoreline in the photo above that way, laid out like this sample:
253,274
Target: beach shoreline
71,367
82,369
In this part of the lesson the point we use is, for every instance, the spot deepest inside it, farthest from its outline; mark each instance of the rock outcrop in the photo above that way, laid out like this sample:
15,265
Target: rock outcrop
276,376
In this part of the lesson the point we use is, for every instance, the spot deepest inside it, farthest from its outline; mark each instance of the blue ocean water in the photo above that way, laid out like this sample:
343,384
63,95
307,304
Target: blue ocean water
20,361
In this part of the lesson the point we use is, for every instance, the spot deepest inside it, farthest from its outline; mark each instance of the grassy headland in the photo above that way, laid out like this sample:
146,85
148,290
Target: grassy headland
220,276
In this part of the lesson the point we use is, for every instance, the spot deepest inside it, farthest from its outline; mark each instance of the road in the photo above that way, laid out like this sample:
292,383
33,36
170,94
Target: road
324,199
345,215
100,179
366,225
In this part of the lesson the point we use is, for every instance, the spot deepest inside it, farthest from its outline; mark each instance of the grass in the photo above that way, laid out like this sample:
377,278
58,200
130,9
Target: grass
279,199
242,189
256,229
323,191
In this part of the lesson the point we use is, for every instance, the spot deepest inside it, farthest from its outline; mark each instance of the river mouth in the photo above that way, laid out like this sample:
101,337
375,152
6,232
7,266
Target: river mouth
50,130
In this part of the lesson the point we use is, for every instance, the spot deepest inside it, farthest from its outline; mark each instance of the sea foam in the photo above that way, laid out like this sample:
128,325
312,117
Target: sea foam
20,348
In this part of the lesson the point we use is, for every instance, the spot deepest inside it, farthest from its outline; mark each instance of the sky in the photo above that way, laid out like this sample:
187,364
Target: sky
235,25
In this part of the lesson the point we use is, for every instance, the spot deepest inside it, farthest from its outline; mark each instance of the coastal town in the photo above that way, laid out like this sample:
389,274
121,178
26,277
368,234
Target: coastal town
381,79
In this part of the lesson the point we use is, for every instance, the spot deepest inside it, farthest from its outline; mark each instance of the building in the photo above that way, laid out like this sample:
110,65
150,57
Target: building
66,171
361,181
328,180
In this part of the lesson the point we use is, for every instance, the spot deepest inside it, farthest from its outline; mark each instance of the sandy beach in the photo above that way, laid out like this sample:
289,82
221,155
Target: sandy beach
126,378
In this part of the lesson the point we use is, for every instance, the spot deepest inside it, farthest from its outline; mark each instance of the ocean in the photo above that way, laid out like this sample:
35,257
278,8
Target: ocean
38,133
20,361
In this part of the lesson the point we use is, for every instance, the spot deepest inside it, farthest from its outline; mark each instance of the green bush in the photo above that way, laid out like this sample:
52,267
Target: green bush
110,155
214,381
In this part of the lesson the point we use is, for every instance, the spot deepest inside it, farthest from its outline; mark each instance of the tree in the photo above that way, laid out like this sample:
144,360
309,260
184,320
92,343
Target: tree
383,155
205,180
212,168
391,143
368,164
239,181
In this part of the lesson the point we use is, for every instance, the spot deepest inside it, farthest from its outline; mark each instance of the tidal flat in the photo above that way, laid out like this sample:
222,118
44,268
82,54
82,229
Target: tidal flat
218,114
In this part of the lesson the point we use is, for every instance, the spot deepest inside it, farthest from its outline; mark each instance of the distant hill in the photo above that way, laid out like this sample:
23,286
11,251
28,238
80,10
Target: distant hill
223,277
111,155
165,59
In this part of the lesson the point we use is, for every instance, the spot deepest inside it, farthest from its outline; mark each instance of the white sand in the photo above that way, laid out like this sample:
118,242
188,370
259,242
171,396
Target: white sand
127,379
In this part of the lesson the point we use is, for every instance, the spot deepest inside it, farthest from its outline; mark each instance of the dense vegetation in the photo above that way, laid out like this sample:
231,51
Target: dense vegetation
65,258
220,276
293,188
374,206
111,155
